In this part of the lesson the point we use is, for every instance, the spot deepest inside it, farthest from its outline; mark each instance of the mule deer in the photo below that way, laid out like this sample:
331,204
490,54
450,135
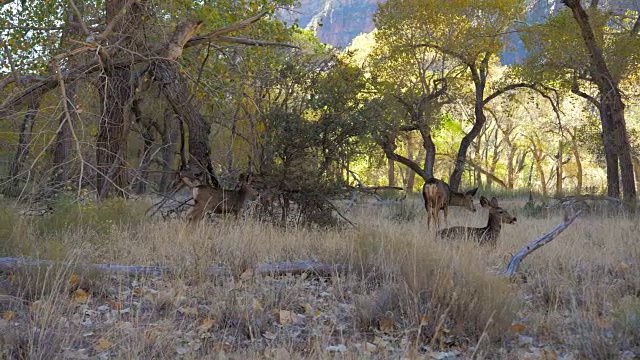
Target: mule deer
220,201
438,196
484,235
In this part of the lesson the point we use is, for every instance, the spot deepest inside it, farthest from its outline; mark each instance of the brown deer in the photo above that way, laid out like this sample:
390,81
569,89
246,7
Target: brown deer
220,201
484,235
438,196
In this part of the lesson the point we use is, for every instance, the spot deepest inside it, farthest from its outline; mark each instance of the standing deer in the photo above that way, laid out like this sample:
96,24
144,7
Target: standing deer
220,201
484,235
438,196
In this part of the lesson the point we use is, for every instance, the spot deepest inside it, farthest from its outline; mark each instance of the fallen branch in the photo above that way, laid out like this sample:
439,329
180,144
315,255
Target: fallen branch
277,269
512,268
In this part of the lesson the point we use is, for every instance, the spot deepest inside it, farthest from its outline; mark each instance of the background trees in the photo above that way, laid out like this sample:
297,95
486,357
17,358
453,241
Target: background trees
113,97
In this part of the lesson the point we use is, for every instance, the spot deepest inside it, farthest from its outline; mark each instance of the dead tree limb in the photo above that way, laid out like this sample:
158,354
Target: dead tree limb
512,268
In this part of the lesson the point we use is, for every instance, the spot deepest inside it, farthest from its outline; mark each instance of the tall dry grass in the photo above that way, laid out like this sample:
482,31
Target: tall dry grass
403,286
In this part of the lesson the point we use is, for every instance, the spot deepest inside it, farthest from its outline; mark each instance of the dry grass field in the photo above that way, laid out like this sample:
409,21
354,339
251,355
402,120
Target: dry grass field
404,294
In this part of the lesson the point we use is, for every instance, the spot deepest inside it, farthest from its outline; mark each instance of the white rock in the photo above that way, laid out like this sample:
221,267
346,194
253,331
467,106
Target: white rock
337,348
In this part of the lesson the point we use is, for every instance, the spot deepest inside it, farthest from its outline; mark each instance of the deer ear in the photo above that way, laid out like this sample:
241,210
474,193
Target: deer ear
472,192
484,202
494,202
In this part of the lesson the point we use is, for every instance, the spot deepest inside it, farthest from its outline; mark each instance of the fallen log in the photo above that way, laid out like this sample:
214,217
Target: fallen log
277,269
512,268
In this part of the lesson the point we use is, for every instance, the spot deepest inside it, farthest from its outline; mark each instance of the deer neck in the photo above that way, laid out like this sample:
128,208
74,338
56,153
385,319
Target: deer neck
455,198
492,230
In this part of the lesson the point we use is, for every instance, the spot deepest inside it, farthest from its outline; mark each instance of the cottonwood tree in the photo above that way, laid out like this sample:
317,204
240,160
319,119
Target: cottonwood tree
468,36
602,55
126,54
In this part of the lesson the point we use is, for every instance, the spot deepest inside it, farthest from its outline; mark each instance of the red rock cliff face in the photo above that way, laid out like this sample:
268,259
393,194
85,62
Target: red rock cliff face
336,22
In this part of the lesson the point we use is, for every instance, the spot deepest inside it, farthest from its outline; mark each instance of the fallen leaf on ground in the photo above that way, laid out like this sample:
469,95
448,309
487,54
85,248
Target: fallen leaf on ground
517,328
287,317
80,296
8,315
387,325
74,279
103,344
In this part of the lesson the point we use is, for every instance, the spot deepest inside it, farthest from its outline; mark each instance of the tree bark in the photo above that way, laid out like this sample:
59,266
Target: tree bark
611,107
174,87
24,140
116,95
576,155
479,76
538,157
559,172
391,172
64,138
411,176
170,137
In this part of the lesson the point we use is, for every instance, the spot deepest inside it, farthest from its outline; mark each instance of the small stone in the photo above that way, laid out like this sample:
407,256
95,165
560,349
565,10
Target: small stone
337,348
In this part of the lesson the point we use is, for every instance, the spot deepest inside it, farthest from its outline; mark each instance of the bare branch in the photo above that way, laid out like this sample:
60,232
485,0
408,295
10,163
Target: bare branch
512,268
202,39
253,42
83,26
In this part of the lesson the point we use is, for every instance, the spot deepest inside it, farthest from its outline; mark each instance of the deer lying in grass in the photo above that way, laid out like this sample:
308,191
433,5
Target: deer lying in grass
220,201
484,235
438,196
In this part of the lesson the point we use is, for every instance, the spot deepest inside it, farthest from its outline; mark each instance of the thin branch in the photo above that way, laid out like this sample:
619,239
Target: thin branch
245,41
83,26
202,39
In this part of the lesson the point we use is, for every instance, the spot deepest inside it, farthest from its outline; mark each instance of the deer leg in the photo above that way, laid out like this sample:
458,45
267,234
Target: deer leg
446,214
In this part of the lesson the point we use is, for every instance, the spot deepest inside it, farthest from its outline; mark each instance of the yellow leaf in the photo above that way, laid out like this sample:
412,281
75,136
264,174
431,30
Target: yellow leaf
8,315
604,322
103,344
387,325
257,307
116,304
308,309
517,328
80,296
206,325
188,310
74,279
287,317
424,319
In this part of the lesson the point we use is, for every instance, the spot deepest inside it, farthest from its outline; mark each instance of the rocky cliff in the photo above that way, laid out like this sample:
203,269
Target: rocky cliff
335,22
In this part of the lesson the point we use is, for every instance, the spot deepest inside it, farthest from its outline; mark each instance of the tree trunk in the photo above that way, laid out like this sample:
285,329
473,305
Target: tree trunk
430,155
391,173
611,108
116,95
170,138
559,173
24,140
411,176
64,138
538,157
576,155
111,143
479,79
141,179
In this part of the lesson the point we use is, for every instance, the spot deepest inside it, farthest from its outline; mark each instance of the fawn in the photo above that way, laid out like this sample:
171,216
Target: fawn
220,201
484,235
438,196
